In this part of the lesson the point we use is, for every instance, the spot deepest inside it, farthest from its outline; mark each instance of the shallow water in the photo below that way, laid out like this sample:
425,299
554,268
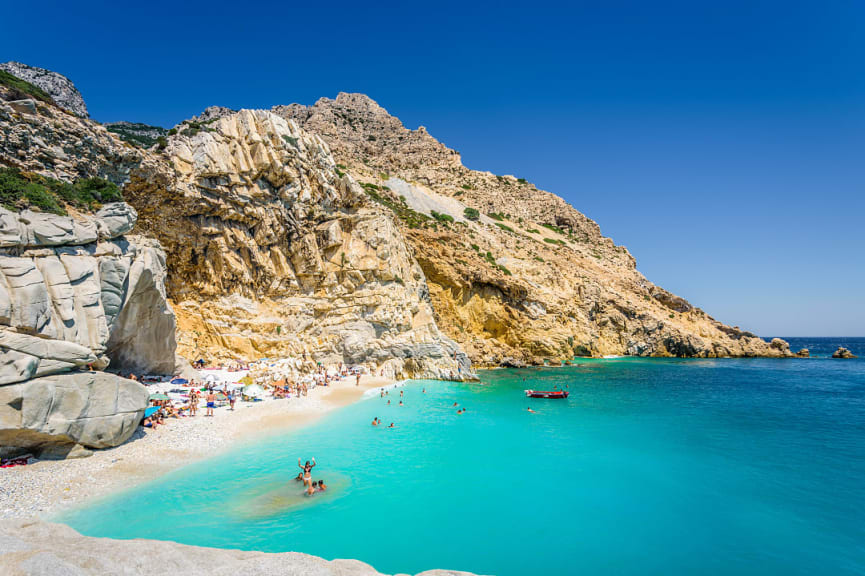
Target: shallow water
650,467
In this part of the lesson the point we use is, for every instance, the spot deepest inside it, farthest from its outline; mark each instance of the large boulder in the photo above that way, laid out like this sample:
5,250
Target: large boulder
842,352
56,414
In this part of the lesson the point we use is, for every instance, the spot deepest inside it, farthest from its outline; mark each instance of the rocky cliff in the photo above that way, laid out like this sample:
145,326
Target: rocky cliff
77,293
527,277
273,252
58,86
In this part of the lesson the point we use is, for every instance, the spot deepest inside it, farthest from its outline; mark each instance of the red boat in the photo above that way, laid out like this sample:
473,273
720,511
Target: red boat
547,393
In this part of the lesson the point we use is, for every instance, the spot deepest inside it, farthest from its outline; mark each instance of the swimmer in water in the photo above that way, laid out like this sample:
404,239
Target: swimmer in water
456,403
299,477
310,490
391,425
307,471
375,421
321,486
400,402
530,410
388,402
424,391
459,411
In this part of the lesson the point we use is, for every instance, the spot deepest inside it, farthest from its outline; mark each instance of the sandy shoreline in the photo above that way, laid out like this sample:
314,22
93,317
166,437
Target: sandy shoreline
48,487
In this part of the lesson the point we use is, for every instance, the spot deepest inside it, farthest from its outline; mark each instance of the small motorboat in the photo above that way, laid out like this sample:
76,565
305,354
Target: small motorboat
547,393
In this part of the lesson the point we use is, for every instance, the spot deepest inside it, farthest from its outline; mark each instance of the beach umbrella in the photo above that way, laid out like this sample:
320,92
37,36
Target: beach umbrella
254,391
180,381
150,411
158,396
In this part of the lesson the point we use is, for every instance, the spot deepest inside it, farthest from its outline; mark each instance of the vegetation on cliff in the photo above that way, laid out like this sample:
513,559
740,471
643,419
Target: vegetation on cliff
22,190
20,89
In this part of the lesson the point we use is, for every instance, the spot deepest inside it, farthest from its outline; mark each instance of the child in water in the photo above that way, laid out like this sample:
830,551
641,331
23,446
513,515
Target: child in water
321,486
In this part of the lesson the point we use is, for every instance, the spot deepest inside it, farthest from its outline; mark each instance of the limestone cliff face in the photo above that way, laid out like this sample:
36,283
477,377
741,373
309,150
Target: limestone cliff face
77,292
536,281
273,252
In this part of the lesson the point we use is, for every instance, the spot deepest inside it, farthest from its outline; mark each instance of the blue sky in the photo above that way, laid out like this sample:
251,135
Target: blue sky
723,143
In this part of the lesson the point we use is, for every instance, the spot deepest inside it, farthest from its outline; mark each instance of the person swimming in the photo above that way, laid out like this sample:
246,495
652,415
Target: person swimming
375,421
321,486
400,403
299,477
391,425
310,490
424,391
307,471
530,410
388,402
456,403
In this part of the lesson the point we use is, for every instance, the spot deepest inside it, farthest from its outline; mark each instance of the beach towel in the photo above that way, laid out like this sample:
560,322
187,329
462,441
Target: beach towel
12,462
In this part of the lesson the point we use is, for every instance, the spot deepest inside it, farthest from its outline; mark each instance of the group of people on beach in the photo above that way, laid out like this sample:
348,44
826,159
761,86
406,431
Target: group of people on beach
311,486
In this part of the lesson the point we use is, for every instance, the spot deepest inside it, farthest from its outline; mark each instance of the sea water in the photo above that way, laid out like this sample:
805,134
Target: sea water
649,467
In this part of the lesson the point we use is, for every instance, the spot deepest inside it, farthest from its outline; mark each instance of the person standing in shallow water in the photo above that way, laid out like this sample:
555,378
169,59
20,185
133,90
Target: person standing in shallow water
307,471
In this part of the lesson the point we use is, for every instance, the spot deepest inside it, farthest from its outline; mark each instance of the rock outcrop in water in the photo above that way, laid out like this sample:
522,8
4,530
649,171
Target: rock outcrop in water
842,352
32,547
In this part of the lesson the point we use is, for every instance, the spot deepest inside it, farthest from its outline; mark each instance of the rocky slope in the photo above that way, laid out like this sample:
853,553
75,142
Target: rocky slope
32,547
59,87
536,279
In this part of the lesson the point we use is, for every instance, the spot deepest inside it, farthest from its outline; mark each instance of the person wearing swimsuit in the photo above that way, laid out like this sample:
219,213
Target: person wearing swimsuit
307,471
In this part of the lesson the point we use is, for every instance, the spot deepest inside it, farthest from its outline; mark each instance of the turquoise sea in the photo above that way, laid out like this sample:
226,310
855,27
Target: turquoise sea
650,467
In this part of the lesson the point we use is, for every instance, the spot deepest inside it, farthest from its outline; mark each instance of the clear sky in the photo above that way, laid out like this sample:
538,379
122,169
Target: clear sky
722,142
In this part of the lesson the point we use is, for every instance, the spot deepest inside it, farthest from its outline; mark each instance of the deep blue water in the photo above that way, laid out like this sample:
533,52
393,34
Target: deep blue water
652,466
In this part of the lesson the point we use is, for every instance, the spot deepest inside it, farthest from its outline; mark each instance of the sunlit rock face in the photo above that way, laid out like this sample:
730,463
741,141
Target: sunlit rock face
273,252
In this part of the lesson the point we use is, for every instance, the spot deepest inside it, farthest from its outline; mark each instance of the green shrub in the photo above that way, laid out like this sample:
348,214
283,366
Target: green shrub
466,187
290,140
521,180
476,248
554,228
504,227
554,241
533,231
19,191
443,218
496,216
471,214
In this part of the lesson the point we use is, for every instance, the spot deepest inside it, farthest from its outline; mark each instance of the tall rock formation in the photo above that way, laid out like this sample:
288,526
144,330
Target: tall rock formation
273,252
531,278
